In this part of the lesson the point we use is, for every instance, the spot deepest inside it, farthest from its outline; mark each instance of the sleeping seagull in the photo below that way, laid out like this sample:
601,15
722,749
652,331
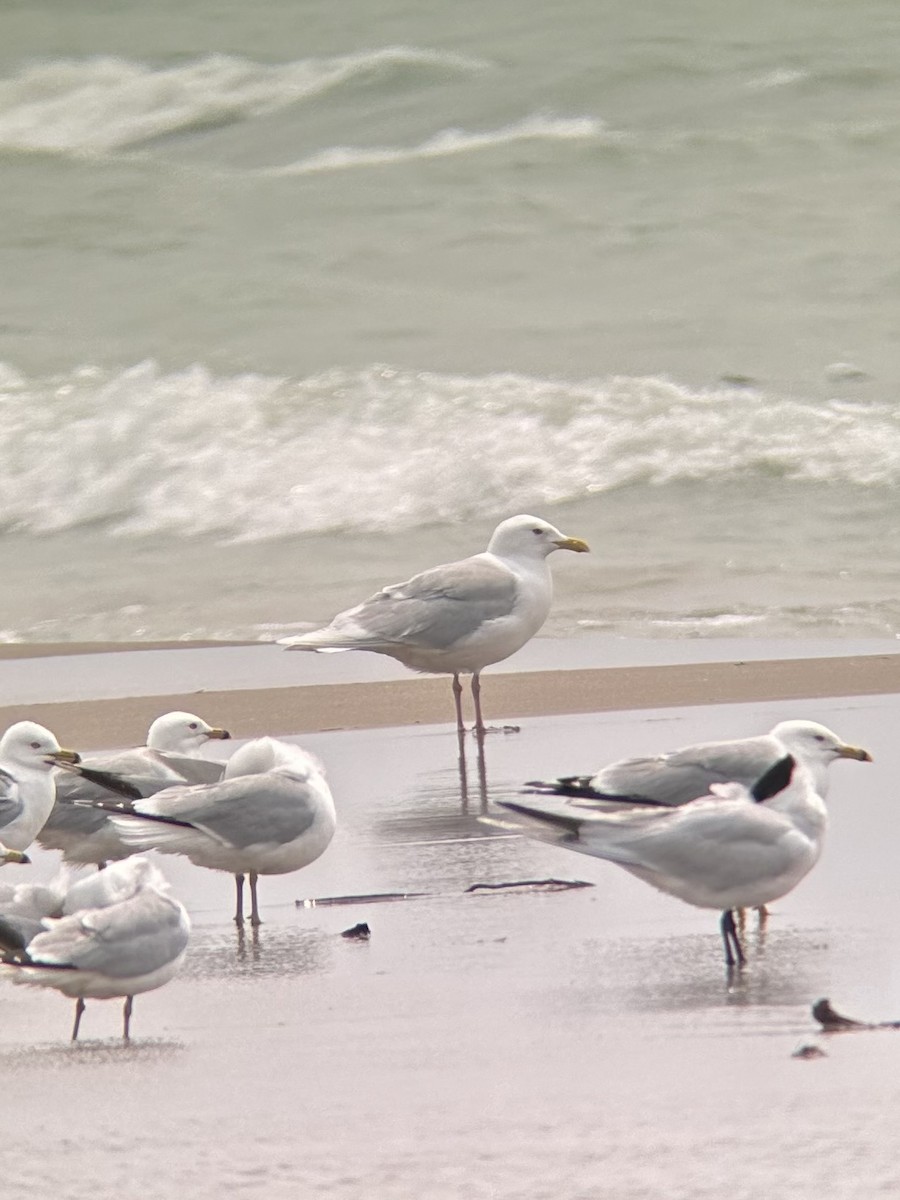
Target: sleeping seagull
687,774
272,813
131,938
172,755
459,617
734,848
28,754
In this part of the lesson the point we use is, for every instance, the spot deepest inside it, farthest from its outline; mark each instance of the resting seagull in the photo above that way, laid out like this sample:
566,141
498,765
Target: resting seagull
28,754
172,755
689,773
272,813
130,938
735,848
459,617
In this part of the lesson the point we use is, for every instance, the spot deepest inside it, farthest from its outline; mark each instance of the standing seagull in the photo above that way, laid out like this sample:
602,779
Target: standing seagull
172,755
28,754
736,848
689,773
459,617
130,939
272,813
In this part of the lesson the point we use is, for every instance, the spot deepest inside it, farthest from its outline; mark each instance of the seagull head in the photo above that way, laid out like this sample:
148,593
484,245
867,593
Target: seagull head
816,745
181,733
29,745
530,537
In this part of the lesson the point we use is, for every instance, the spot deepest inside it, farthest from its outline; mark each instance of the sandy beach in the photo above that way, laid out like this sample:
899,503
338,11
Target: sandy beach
517,1042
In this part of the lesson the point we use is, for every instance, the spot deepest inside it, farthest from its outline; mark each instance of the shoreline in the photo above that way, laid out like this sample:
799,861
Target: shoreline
94,723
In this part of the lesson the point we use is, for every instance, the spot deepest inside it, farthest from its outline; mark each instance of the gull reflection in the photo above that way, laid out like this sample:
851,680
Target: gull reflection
271,952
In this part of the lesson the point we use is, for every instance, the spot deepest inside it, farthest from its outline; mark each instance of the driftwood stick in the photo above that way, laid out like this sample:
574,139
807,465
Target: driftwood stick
556,884
385,897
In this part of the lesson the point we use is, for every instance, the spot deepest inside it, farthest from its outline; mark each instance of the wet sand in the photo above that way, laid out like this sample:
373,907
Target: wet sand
567,1044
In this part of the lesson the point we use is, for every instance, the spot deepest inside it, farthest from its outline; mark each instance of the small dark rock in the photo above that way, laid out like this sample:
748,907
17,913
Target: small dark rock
809,1050
359,932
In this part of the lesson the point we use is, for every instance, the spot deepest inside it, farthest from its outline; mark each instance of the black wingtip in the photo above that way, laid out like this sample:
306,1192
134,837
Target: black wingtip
775,779
113,783
560,820
570,785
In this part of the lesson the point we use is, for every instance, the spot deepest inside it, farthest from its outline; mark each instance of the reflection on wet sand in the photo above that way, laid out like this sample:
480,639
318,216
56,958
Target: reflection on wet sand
475,1030
671,974
480,765
236,954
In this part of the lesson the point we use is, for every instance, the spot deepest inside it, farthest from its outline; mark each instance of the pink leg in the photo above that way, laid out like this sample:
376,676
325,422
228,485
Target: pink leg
126,1017
254,904
457,700
476,696
239,904
460,738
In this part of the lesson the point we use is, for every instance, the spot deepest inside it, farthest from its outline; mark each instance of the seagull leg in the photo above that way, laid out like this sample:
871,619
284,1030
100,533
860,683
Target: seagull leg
476,697
457,700
126,1017
734,951
460,740
79,1009
239,905
254,905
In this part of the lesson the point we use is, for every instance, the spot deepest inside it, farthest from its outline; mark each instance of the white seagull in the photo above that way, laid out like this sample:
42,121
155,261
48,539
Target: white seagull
130,938
172,755
272,813
735,848
28,754
457,618
687,774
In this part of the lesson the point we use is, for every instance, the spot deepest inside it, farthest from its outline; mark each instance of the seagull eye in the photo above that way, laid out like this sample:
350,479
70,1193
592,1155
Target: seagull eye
537,531
35,745
193,725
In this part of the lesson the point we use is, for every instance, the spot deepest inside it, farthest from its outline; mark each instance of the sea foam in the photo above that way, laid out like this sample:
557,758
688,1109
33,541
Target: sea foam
99,105
538,127
145,451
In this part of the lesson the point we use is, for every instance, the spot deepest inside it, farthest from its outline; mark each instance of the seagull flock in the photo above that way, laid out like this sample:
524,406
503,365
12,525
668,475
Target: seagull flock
722,825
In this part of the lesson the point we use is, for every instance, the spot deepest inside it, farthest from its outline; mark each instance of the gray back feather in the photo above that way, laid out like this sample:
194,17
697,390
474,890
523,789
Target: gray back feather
688,774
245,811
434,609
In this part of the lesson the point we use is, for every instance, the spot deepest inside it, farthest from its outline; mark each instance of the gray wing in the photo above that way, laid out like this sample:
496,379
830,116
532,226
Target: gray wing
434,609
72,819
193,770
131,938
723,850
246,811
11,805
724,853
144,769
688,774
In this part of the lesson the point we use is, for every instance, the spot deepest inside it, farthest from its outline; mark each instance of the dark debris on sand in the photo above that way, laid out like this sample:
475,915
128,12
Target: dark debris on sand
834,1022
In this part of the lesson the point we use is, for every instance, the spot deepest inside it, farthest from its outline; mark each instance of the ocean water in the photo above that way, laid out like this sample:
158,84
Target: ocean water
299,300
